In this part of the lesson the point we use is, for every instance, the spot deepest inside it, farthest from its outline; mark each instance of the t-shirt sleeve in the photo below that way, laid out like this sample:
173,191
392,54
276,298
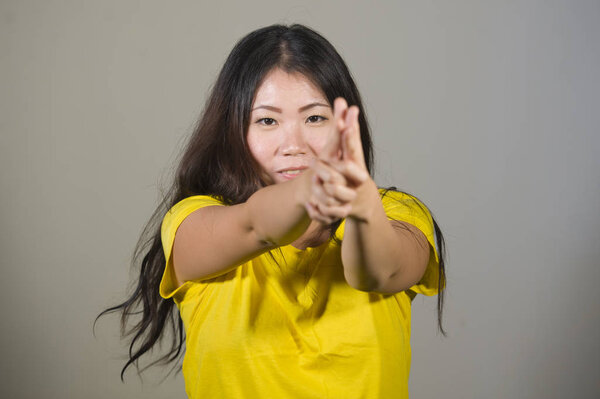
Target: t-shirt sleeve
406,208
168,286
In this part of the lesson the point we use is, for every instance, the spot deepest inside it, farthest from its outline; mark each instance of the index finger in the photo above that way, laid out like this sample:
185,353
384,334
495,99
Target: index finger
334,144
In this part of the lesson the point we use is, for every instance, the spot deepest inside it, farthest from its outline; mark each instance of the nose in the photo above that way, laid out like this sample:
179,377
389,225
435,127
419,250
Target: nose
293,141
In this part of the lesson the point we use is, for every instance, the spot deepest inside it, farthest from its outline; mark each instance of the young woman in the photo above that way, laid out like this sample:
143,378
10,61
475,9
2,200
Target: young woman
292,273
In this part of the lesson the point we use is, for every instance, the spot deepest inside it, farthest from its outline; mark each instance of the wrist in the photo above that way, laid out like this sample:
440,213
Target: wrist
302,185
367,201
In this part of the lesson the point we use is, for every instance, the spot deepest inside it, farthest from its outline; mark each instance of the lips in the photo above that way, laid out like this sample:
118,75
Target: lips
292,169
290,172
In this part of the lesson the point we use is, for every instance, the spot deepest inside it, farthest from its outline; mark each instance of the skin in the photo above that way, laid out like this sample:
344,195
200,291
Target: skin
291,124
289,131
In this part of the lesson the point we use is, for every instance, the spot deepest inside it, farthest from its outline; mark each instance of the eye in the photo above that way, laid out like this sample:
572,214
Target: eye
316,118
266,121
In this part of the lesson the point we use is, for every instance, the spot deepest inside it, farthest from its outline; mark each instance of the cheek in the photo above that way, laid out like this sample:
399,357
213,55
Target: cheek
259,148
318,143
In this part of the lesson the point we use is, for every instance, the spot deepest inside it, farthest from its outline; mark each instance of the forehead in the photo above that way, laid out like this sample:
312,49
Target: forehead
283,87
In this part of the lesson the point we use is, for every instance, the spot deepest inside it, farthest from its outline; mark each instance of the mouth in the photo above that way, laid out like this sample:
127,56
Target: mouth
292,172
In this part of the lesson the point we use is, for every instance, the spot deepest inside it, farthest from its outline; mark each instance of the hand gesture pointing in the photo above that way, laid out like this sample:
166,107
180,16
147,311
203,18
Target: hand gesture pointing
340,168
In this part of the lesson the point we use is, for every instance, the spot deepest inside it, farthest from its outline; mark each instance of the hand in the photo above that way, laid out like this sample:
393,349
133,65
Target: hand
340,169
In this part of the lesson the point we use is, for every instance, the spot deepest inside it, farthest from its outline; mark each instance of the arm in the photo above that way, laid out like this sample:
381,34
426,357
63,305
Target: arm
378,254
216,239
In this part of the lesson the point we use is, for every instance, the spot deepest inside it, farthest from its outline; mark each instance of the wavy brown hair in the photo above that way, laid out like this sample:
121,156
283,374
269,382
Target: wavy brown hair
210,165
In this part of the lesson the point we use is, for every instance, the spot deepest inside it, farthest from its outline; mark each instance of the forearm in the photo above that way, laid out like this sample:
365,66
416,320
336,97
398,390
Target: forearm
370,249
277,213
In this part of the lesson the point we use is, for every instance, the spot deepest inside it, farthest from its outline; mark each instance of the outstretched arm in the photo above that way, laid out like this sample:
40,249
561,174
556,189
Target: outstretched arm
215,239
377,254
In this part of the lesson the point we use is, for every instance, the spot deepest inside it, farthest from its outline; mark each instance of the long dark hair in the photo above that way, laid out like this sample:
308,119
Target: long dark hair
210,165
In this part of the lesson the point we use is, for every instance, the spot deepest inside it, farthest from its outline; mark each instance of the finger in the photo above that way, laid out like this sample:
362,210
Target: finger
348,123
340,110
319,196
351,115
327,173
351,143
351,171
314,214
331,149
333,145
334,212
341,193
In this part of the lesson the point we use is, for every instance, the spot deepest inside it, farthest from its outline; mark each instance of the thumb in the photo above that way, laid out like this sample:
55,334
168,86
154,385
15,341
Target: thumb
351,144
333,146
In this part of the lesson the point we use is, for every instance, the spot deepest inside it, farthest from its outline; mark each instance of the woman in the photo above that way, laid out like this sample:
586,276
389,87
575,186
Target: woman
292,272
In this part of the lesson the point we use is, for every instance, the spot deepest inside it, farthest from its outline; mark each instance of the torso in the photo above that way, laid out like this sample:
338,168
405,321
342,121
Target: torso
315,235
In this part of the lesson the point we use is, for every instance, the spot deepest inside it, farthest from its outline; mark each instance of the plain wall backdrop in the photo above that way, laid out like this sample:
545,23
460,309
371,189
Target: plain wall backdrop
487,111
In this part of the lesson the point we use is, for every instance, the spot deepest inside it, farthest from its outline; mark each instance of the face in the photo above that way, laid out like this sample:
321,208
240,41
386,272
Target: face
289,125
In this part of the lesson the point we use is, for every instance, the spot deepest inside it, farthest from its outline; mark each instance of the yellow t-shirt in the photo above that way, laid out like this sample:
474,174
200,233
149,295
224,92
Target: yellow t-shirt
290,326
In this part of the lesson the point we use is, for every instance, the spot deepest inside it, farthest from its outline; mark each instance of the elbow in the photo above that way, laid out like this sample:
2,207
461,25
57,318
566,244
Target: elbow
362,283
400,280
389,283
263,241
387,287
362,288
252,228
391,287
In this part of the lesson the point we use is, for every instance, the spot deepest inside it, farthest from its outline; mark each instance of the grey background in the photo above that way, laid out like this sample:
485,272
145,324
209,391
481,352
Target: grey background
488,111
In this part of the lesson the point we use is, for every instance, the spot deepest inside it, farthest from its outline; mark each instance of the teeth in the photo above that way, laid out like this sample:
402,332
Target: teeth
291,172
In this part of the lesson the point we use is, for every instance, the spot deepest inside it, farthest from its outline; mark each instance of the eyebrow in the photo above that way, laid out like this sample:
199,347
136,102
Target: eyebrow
301,109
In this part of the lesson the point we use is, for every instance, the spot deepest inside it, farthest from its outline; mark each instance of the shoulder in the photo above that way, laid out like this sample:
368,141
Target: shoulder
185,207
403,207
181,210
392,197
194,202
399,205
171,222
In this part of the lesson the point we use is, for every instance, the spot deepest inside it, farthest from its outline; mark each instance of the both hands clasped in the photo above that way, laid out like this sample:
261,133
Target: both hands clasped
339,170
